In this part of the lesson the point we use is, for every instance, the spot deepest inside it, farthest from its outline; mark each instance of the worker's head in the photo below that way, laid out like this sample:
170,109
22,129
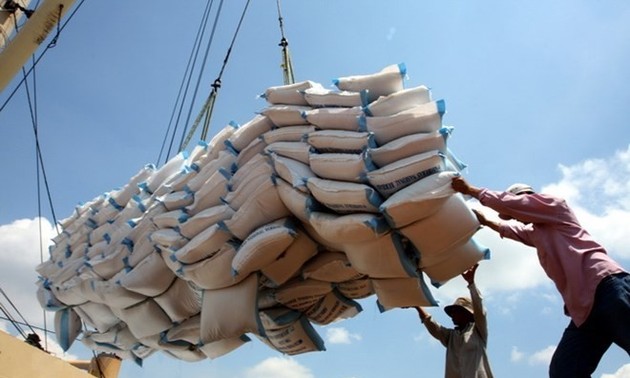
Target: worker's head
461,312
517,189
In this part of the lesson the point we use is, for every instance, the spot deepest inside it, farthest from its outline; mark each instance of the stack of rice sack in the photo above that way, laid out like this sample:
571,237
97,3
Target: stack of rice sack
323,198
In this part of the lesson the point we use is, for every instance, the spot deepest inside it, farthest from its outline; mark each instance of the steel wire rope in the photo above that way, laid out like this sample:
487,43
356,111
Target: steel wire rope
192,60
16,310
59,30
217,82
203,65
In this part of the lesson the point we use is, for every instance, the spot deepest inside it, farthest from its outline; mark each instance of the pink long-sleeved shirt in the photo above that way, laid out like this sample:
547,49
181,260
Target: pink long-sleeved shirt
573,260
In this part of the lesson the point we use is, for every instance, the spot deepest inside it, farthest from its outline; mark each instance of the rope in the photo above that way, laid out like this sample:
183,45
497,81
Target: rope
16,310
40,57
209,106
187,75
203,65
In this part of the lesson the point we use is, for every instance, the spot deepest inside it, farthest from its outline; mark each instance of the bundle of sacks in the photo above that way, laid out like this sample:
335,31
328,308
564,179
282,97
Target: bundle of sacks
324,198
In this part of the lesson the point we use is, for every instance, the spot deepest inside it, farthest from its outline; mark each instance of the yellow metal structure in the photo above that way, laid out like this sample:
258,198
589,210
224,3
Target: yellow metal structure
21,360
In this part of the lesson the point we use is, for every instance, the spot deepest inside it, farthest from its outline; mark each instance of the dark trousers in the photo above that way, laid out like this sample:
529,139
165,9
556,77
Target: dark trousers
581,348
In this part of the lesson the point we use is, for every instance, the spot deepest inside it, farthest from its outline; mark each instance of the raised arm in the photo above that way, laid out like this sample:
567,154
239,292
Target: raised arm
435,329
481,323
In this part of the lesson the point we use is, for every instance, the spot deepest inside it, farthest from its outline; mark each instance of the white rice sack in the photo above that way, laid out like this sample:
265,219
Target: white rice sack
356,289
385,82
293,150
69,292
383,257
220,348
180,301
216,145
237,198
300,204
335,118
340,141
455,261
203,245
110,293
255,148
289,94
333,307
323,243
295,338
410,145
168,237
262,207
123,195
144,319
140,250
150,277
258,165
200,149
101,216
67,327
171,218
118,336
187,331
452,224
230,312
287,134
345,197
301,294
97,316
418,200
398,102
423,118
402,173
319,96
183,353
226,160
401,293
204,219
351,228
285,115
157,178
46,297
177,200
179,180
330,267
210,193
215,272
292,171
248,132
263,246
288,264
341,167
106,267
278,317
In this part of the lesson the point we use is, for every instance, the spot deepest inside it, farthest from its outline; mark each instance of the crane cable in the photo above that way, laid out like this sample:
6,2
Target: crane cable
287,65
178,107
206,111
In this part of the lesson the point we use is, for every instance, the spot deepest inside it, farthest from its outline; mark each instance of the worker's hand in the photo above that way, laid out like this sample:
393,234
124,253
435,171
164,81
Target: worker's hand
469,275
460,185
480,217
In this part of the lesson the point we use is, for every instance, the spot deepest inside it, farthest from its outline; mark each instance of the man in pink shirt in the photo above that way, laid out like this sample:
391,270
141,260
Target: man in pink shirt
595,288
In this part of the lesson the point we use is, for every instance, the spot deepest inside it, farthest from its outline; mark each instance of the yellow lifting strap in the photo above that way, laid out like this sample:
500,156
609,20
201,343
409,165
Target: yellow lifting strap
287,65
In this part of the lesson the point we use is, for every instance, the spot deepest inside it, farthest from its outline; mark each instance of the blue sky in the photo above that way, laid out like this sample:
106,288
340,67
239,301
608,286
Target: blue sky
536,92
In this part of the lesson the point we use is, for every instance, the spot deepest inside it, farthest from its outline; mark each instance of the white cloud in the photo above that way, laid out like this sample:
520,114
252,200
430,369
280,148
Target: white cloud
623,372
339,335
279,367
21,254
516,355
542,357
598,190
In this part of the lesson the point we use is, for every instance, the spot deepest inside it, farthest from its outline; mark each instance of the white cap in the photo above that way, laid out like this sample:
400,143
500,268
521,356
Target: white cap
519,188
